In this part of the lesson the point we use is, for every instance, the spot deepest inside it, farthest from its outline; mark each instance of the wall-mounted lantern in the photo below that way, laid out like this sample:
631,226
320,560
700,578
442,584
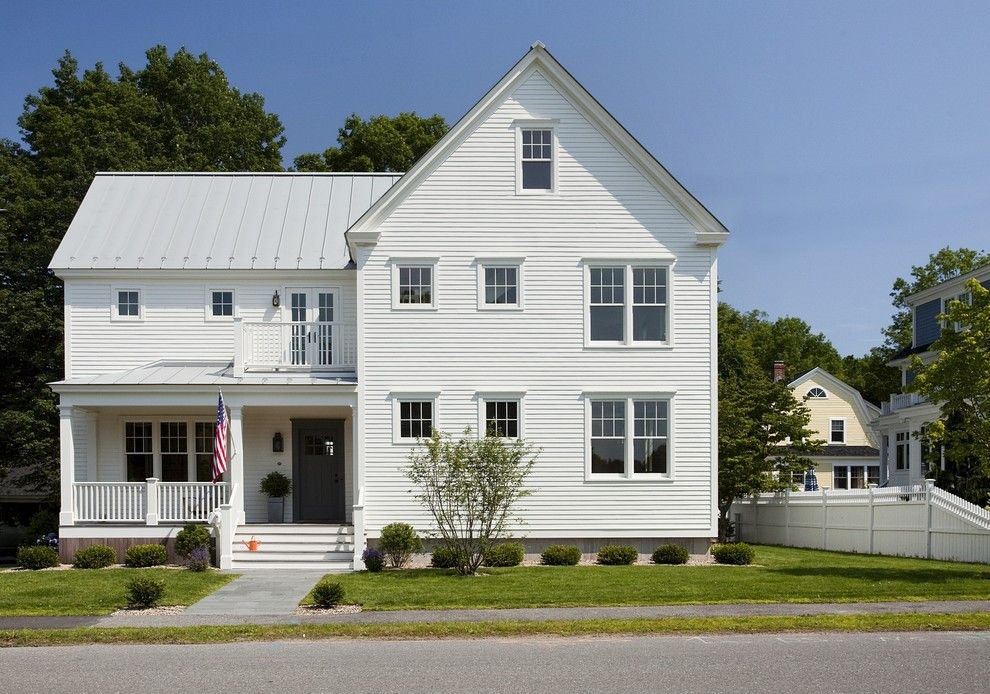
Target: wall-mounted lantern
277,444
276,299
328,446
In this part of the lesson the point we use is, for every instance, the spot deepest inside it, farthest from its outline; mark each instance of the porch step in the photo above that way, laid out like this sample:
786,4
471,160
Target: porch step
326,566
262,556
289,546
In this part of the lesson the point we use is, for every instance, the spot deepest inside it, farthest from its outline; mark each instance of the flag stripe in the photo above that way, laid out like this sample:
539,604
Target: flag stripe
220,441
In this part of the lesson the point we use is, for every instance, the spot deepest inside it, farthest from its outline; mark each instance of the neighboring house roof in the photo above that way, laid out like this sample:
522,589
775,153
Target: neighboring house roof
192,373
834,451
538,59
238,221
981,273
910,351
12,488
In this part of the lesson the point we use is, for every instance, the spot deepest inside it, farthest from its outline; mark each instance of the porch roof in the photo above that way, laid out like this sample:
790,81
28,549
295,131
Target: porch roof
201,373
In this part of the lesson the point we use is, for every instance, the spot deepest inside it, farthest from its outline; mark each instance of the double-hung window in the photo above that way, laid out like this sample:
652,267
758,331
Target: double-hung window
414,284
127,304
139,456
172,450
205,432
629,437
536,160
501,417
501,285
902,450
837,431
627,305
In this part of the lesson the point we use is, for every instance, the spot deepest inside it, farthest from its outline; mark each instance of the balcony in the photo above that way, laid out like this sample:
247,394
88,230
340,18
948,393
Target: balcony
901,401
307,347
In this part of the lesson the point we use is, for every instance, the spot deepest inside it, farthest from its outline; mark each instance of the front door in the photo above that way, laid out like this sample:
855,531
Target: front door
318,471
311,338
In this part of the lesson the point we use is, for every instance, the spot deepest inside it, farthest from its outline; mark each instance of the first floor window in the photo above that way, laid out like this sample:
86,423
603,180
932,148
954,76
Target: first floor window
184,451
138,451
128,303
502,418
222,303
175,449
837,431
416,285
902,454
415,419
205,432
855,476
630,437
608,437
501,285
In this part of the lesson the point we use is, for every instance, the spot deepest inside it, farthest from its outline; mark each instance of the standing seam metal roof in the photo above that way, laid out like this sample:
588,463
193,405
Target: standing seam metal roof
226,221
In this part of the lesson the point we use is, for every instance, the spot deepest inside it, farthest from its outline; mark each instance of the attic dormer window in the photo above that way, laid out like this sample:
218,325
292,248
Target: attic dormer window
536,159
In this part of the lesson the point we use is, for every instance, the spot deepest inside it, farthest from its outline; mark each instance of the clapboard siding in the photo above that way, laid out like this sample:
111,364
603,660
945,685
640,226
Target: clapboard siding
467,209
838,405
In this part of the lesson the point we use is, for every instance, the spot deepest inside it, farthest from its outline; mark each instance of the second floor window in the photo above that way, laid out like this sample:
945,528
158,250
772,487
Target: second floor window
128,304
415,285
415,419
837,431
619,316
537,159
221,303
501,285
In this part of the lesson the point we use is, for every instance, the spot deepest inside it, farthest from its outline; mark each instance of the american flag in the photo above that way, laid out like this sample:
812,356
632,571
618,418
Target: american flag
220,441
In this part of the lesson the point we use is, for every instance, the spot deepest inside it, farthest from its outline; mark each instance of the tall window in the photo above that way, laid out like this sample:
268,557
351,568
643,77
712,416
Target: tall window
128,303
175,449
415,419
221,303
607,304
649,304
537,159
630,437
650,436
139,454
501,285
205,432
617,315
608,437
837,431
502,418
902,451
415,285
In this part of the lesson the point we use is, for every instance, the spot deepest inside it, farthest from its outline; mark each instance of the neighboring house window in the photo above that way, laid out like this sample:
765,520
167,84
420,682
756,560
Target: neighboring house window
501,285
650,436
415,419
205,432
537,158
608,437
139,457
174,450
837,431
966,298
902,451
816,393
855,476
607,304
629,437
414,285
618,316
127,304
221,303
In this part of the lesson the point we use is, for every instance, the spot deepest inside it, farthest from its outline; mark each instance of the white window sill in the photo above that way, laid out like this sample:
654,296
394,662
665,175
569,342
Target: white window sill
498,308
589,344
414,307
622,479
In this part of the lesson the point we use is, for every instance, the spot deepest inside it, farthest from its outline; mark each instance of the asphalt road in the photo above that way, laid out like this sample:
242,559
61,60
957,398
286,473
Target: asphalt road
942,662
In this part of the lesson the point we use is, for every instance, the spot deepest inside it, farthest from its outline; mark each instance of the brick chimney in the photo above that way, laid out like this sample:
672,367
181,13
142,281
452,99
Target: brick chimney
778,371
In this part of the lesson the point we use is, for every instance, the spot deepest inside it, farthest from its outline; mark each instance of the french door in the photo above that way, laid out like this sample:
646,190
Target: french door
311,316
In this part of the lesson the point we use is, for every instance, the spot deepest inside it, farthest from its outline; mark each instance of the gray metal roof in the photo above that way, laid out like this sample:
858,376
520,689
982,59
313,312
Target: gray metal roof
237,221
192,373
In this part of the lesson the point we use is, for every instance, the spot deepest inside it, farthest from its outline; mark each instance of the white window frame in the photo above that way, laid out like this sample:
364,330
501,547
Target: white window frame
906,442
537,124
396,264
665,262
115,304
496,262
630,399
208,305
845,432
501,396
848,481
156,442
809,396
412,396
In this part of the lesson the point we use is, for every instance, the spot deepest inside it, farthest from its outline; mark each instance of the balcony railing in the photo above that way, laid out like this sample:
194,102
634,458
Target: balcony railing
146,503
313,346
901,401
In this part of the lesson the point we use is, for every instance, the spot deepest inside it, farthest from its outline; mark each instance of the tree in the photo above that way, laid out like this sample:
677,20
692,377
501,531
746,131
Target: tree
870,375
176,113
470,487
381,143
790,340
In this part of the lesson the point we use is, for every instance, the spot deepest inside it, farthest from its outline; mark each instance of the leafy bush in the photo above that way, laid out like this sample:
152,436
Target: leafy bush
670,554
139,556
447,557
505,554
191,537
198,559
42,522
733,553
275,484
94,557
617,555
374,561
35,558
561,555
327,593
398,542
145,591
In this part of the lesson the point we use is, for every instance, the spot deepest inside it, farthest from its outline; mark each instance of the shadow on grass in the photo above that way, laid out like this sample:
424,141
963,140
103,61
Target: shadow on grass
883,575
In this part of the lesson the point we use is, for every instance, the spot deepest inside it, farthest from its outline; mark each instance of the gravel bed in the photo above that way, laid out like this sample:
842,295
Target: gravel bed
339,609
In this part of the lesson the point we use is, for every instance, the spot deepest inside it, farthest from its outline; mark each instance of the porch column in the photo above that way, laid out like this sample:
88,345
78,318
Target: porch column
237,461
67,462
357,511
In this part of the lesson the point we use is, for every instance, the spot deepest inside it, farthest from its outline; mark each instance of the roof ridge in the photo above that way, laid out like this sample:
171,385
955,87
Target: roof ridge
390,174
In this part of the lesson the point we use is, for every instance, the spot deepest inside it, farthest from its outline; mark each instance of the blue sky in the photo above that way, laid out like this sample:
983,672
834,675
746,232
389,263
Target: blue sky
840,142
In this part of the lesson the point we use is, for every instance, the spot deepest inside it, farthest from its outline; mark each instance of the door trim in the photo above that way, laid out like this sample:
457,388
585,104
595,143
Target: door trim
297,426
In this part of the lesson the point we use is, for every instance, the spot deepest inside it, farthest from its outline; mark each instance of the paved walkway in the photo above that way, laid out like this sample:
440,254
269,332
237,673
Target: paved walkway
257,593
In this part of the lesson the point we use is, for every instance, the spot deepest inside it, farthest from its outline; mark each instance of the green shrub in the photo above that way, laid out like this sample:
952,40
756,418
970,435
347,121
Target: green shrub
670,554
37,557
327,593
94,557
733,553
446,557
398,542
275,485
145,591
505,554
617,555
139,556
561,555
41,523
191,537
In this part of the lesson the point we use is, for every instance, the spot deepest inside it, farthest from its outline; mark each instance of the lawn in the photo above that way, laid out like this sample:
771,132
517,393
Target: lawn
95,591
784,574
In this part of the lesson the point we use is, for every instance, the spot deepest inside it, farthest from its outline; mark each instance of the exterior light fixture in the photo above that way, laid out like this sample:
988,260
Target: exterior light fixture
276,300
328,446
277,444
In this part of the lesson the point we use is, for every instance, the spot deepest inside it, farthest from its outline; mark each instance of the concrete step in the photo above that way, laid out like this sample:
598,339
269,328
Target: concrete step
271,539
292,545
294,529
325,566
299,555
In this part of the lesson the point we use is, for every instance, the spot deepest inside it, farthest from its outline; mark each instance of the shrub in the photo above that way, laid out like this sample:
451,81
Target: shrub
94,557
670,554
198,559
327,593
374,561
733,553
561,555
42,522
505,554
145,591
275,484
37,557
138,556
447,557
398,542
191,537
617,555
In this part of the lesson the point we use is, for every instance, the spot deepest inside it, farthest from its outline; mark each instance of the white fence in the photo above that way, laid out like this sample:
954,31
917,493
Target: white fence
918,521
148,502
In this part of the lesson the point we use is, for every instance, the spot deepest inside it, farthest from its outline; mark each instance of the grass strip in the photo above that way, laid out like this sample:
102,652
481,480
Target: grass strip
976,621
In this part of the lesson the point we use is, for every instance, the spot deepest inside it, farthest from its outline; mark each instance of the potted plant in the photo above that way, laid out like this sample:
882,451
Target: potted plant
276,486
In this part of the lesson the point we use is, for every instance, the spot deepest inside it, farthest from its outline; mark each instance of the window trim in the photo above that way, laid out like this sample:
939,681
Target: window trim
494,261
845,432
848,480
400,397
115,303
518,397
537,124
208,305
629,476
412,261
906,442
809,396
665,262
190,420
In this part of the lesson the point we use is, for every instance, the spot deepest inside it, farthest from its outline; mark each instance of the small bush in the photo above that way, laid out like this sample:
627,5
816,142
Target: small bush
191,537
144,591
446,557
327,593
617,555
398,542
42,522
734,553
374,561
670,554
37,557
561,555
505,554
198,559
139,556
276,485
94,557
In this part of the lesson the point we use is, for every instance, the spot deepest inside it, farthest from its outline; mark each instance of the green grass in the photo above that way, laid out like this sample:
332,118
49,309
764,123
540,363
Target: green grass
783,575
674,626
76,592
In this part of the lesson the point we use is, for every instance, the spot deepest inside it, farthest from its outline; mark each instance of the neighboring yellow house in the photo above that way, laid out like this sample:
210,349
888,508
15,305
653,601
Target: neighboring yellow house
841,417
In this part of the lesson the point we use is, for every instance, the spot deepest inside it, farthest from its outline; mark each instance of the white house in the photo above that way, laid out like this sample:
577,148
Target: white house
537,270
905,414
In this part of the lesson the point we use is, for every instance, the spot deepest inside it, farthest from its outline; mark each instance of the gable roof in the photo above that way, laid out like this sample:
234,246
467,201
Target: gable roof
867,411
710,231
206,221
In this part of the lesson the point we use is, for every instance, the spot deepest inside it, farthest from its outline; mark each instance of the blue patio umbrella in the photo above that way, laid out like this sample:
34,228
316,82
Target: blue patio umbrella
810,480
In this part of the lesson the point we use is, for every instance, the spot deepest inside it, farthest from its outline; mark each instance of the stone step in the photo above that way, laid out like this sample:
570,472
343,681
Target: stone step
299,555
294,529
269,538
325,566
295,545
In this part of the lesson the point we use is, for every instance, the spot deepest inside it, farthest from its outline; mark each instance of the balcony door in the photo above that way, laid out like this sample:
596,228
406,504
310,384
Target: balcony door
311,316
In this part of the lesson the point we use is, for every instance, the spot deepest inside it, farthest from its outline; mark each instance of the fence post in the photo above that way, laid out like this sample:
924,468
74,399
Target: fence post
824,520
151,501
869,491
756,517
787,516
929,492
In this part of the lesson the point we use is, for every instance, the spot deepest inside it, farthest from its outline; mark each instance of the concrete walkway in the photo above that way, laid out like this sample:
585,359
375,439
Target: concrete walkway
256,594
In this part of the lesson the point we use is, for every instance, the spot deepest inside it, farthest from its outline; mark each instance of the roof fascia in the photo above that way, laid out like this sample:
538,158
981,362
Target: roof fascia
981,273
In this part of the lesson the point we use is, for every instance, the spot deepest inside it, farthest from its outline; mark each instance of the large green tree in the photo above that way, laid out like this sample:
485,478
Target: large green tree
177,112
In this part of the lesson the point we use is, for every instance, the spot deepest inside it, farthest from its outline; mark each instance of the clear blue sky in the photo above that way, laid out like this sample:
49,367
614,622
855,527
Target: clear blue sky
839,142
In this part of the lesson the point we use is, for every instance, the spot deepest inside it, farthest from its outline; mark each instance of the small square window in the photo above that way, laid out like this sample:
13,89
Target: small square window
502,418
128,303
415,419
222,303
501,285
537,159
415,285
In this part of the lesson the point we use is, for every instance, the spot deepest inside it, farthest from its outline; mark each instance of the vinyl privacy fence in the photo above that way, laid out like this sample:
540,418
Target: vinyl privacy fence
917,521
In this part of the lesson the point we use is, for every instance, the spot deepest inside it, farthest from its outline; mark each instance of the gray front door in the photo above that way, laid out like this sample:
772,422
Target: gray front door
318,471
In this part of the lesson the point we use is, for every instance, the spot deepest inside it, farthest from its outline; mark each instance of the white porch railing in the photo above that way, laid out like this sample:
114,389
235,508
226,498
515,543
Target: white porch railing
148,502
315,346
110,502
900,401
189,502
